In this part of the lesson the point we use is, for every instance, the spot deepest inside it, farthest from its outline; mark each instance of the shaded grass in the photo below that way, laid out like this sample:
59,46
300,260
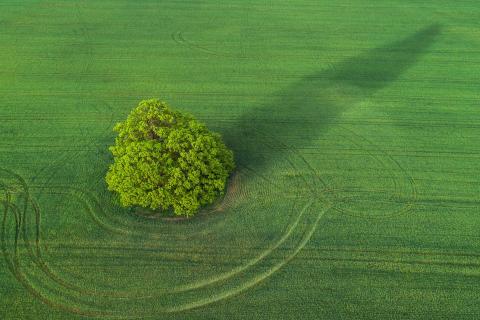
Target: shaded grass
307,107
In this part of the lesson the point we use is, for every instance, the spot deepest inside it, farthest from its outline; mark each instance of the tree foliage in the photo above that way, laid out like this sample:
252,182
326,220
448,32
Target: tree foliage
164,159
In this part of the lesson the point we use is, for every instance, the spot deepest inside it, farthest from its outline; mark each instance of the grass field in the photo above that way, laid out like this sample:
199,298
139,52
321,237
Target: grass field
356,130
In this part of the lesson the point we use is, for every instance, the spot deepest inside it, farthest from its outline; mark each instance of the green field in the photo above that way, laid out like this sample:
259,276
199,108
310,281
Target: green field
356,130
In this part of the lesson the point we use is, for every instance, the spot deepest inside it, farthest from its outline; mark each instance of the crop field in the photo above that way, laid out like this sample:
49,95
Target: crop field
356,131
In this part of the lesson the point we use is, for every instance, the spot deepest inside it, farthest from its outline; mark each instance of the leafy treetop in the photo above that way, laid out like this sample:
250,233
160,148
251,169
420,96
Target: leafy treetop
164,159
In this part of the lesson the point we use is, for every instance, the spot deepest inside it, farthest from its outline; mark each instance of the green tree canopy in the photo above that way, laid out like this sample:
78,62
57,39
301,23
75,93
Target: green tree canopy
164,159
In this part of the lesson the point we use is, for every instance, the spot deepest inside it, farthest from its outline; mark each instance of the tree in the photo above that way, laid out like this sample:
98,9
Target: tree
164,159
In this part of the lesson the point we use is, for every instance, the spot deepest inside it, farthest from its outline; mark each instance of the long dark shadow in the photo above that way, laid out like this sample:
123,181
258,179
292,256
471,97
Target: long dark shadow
264,134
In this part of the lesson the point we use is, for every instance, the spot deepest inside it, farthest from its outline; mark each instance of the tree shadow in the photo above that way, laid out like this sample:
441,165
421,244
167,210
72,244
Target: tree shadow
264,134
